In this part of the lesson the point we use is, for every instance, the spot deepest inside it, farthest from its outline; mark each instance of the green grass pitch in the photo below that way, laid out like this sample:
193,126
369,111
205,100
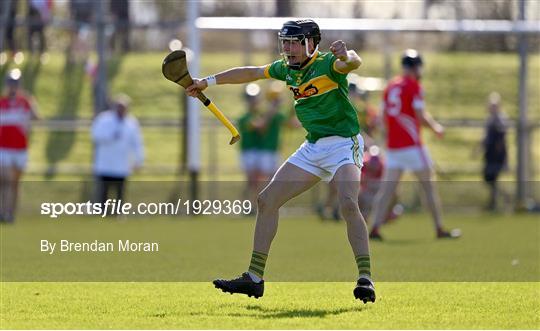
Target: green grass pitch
310,277
284,306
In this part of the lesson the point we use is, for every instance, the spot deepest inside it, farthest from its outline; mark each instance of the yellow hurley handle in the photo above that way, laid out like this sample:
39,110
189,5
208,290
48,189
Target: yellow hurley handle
224,120
212,107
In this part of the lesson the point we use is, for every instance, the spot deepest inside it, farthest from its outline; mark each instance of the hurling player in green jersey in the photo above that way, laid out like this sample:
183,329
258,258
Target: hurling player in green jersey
332,150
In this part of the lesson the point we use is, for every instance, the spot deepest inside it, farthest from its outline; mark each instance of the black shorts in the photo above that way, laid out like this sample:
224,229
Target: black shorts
492,171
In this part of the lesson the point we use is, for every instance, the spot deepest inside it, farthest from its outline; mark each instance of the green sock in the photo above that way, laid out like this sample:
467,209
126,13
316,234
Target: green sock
362,261
258,261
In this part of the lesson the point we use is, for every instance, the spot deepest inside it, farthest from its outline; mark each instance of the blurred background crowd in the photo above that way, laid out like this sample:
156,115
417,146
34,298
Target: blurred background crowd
72,56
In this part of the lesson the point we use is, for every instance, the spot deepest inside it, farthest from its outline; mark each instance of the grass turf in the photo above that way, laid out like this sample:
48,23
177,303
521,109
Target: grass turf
284,306
305,249
499,290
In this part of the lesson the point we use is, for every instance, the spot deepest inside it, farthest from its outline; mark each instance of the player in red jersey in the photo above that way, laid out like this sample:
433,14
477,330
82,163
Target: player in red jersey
404,113
372,176
16,111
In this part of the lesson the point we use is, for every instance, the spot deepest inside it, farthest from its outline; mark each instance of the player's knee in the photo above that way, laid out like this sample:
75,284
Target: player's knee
348,205
264,201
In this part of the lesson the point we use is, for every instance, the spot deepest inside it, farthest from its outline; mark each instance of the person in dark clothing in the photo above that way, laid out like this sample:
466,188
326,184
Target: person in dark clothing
11,7
82,17
494,144
39,15
120,15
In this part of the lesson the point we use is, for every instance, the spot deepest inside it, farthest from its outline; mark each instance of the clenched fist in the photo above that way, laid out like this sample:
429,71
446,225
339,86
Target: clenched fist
339,49
197,86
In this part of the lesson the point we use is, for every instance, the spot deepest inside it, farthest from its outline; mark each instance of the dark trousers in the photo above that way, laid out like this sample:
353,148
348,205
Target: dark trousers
10,37
106,183
491,174
36,28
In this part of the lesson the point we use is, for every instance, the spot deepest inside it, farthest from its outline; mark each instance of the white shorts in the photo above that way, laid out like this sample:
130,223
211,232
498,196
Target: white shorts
414,158
326,155
13,158
260,160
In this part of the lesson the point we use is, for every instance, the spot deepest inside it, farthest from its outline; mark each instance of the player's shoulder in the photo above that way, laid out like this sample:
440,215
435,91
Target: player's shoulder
132,119
278,63
25,99
325,63
277,68
395,81
404,82
106,115
411,82
21,101
325,57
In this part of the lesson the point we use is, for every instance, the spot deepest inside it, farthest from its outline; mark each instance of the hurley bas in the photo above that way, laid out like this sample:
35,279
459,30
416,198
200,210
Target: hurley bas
66,246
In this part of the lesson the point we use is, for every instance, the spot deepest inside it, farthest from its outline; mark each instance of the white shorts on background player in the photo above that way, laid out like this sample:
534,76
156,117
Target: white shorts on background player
414,158
324,157
13,158
261,160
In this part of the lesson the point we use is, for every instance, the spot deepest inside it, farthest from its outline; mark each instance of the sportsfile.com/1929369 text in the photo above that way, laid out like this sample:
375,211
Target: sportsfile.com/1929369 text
118,207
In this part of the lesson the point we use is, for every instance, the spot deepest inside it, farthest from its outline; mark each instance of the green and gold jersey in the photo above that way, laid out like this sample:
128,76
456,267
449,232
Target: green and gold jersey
320,96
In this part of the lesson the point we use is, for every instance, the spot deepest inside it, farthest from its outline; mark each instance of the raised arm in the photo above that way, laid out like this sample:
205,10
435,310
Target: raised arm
237,75
347,60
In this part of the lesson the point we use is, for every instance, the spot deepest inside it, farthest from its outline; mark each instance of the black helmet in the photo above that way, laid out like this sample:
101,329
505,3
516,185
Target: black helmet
411,59
301,29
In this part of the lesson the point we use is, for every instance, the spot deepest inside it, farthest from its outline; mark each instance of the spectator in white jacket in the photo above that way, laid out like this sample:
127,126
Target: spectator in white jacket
118,148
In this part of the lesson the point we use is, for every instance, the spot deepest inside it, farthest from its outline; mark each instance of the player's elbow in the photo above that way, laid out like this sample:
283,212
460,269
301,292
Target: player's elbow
355,61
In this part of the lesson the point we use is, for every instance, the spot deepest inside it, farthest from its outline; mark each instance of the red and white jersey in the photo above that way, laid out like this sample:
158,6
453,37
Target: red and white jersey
15,116
401,97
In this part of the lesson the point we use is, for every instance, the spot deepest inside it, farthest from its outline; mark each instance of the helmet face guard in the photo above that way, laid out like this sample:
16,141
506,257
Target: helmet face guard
289,54
298,32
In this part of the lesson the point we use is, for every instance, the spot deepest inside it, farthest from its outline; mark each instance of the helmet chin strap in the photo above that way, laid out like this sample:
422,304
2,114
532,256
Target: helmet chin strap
314,51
